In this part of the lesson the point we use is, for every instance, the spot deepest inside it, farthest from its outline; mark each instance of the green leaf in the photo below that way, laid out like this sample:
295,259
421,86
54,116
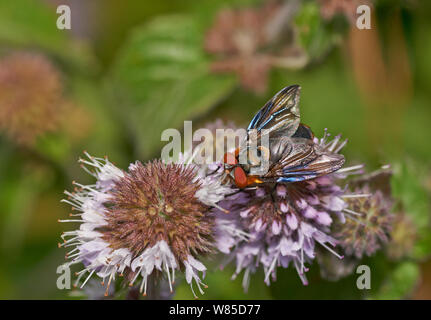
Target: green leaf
316,36
400,282
422,247
20,183
162,78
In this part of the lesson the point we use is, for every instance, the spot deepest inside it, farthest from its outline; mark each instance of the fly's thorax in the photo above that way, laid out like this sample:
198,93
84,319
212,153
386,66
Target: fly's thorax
254,154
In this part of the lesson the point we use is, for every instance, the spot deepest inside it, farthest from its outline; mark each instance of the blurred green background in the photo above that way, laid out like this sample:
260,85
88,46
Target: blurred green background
130,69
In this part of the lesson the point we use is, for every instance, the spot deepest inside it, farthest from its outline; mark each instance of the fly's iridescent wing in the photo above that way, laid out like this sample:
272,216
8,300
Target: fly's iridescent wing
299,158
293,154
280,115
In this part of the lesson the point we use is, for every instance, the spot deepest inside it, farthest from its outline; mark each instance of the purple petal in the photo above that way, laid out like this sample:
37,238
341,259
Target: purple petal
244,213
313,200
291,221
276,227
310,212
260,192
259,225
335,204
302,204
283,207
281,191
324,218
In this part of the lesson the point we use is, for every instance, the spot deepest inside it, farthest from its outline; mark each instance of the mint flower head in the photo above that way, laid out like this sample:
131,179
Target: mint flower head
152,220
30,96
372,226
280,225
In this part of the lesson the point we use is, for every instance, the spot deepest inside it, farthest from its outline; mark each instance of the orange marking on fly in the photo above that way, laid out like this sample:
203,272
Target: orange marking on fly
240,177
253,180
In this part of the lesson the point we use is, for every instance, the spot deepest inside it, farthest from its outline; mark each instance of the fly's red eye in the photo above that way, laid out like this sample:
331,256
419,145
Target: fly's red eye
240,177
229,158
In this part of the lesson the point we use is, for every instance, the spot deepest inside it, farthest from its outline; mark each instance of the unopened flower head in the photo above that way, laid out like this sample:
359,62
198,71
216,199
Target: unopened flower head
277,225
403,236
30,96
371,226
151,220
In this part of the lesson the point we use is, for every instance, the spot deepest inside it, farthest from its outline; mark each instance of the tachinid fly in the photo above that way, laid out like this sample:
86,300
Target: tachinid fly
278,148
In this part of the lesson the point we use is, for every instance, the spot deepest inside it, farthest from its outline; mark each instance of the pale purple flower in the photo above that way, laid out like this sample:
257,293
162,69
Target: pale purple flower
153,218
370,230
277,226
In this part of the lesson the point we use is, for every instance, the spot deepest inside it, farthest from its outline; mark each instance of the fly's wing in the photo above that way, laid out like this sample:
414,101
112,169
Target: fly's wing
293,154
280,115
298,158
